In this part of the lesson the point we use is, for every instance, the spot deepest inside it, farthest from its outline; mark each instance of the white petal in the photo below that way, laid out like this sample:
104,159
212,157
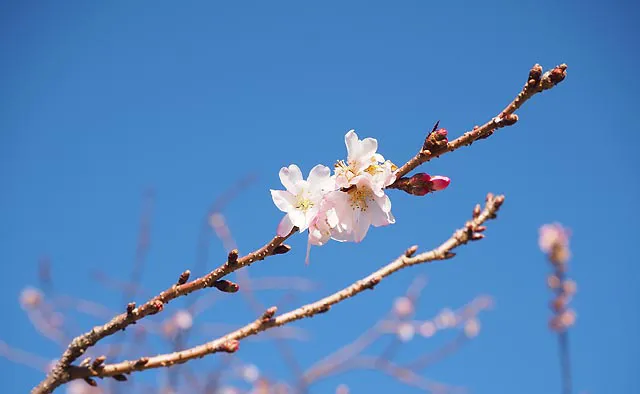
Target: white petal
285,226
367,149
283,200
384,203
290,176
298,219
332,217
351,141
320,179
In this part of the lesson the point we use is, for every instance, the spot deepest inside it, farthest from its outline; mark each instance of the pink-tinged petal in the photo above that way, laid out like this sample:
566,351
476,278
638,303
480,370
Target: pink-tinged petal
341,235
306,259
379,218
440,182
290,177
285,226
283,200
351,141
362,223
320,179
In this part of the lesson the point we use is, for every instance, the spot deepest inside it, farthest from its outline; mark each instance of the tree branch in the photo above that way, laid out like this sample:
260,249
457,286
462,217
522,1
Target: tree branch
536,83
61,372
472,231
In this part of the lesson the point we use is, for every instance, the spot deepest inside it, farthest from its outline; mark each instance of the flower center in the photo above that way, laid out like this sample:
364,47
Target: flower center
360,197
303,203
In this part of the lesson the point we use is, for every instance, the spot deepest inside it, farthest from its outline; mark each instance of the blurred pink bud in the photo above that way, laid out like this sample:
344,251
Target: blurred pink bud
570,287
472,328
403,306
183,319
30,298
250,373
427,329
405,332
553,235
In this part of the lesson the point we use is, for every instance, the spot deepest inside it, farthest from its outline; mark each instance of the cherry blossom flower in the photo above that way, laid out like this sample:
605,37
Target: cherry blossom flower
301,199
362,159
358,208
322,226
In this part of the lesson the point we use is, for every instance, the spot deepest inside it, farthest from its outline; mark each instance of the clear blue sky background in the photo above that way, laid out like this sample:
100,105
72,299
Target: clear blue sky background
101,100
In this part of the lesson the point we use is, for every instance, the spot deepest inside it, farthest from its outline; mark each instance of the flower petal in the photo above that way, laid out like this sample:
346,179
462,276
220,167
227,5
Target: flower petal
283,200
367,149
361,223
298,219
285,226
290,176
440,182
384,203
351,141
320,179
379,217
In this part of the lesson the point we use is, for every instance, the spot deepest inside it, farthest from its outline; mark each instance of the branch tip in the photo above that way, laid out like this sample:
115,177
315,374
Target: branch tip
233,257
268,314
231,346
371,283
324,309
130,308
141,362
120,378
97,363
281,249
226,286
184,277
411,251
90,382
476,211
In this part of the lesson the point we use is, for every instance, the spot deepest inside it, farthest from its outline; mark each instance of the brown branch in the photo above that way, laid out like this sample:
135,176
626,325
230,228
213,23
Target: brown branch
229,343
77,347
536,83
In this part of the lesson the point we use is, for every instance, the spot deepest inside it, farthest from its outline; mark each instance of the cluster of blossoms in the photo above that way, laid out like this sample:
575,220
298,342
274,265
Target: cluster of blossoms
344,205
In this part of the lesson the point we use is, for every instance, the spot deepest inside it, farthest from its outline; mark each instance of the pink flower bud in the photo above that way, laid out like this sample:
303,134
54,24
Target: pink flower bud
421,184
440,182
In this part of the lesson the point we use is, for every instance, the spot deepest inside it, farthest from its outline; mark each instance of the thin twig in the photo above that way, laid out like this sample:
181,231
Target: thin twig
536,83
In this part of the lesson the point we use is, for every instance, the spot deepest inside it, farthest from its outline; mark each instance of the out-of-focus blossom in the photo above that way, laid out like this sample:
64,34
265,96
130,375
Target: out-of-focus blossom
472,328
405,331
403,307
183,319
30,298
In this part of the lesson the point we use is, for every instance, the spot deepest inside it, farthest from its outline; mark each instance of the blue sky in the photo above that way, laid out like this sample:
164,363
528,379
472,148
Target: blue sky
101,101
